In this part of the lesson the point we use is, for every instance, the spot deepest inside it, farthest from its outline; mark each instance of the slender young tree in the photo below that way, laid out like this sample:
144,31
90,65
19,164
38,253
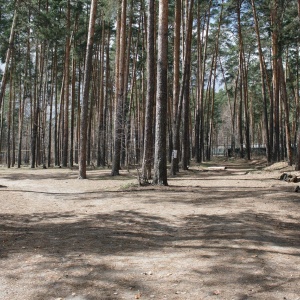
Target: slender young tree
86,87
243,89
176,89
284,97
263,81
148,143
36,105
160,156
186,91
67,91
202,62
275,22
101,97
9,118
118,129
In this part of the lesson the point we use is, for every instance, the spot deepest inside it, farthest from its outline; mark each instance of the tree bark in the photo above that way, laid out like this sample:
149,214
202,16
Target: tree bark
86,88
263,84
9,117
276,81
160,156
284,97
101,98
65,145
186,91
176,89
118,128
148,137
202,57
36,106
73,96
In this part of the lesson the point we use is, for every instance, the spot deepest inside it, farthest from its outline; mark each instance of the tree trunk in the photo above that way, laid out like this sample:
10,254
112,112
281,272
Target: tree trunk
199,85
9,117
56,153
101,98
276,81
36,106
202,57
160,157
73,97
176,89
148,137
186,91
66,93
284,97
120,96
263,84
106,100
86,88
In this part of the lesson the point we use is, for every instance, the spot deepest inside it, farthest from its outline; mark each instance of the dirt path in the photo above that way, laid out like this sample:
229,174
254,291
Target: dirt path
228,234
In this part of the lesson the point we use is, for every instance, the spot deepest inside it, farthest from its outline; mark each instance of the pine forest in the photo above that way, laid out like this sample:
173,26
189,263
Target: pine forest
155,85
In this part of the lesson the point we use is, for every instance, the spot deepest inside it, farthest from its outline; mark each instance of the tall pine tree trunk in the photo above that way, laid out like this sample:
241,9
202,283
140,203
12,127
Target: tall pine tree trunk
86,88
148,137
284,97
263,84
276,80
120,96
202,58
101,98
186,91
176,90
65,145
160,156
9,117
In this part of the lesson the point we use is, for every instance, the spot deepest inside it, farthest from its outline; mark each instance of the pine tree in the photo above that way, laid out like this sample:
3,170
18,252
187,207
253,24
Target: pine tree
160,156
86,87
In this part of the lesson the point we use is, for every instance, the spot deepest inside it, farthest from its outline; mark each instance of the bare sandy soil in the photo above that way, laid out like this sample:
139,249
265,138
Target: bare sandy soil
211,234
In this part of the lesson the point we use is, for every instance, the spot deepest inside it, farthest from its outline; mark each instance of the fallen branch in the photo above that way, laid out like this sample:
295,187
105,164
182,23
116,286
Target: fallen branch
216,168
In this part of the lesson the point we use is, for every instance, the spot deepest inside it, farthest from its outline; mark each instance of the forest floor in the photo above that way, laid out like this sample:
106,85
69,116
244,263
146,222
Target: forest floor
211,234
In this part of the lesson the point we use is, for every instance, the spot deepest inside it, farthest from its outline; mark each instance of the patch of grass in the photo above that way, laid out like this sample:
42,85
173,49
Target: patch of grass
128,186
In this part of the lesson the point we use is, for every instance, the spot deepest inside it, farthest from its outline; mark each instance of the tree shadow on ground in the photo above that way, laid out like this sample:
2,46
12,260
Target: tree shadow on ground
67,241
97,254
63,174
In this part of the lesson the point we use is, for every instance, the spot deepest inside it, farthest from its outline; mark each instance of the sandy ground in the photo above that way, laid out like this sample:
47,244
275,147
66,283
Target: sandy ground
211,234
